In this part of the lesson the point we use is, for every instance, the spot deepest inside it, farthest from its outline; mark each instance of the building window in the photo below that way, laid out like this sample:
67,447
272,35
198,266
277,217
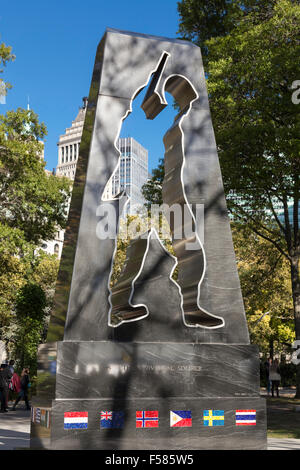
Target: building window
56,249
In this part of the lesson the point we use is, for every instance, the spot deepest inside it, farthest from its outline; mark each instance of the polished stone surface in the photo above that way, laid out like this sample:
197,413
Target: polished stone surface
82,296
164,321
46,374
163,360
198,436
113,370
15,433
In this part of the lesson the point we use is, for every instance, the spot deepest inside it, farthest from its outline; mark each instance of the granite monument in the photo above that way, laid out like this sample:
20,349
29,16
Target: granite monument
154,362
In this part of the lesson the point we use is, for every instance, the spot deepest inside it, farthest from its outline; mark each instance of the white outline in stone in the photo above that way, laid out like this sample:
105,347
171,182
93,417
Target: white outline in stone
162,101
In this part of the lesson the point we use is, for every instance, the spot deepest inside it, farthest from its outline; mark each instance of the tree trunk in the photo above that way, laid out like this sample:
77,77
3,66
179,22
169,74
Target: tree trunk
272,348
296,303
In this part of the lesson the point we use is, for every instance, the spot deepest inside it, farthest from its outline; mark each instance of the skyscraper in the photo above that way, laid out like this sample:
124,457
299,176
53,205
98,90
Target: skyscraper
130,175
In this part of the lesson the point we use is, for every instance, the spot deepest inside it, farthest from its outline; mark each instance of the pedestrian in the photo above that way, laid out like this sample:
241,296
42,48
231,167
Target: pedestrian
274,375
25,381
14,385
11,366
3,389
6,373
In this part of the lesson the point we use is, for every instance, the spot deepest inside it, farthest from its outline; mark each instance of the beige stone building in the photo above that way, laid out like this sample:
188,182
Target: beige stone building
68,145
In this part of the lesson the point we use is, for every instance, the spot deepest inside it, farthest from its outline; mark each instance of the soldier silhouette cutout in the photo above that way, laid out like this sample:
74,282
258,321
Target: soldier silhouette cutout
188,248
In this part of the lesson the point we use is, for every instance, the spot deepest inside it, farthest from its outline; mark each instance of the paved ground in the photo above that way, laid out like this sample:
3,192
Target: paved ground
283,392
15,432
283,444
15,429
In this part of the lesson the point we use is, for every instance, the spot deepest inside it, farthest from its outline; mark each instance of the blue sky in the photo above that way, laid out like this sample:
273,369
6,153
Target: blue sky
55,44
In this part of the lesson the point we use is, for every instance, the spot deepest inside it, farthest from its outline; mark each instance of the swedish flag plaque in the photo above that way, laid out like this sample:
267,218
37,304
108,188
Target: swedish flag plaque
213,417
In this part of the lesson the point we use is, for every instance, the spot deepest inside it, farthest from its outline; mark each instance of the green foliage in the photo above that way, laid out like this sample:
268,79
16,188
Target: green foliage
266,287
30,199
32,205
27,285
30,302
250,68
13,268
249,81
202,20
6,56
265,281
288,374
28,325
152,189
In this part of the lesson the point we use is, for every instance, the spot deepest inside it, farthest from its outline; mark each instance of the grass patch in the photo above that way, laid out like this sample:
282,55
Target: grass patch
282,419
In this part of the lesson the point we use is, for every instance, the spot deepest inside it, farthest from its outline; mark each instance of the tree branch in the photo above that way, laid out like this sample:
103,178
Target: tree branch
276,216
273,242
258,232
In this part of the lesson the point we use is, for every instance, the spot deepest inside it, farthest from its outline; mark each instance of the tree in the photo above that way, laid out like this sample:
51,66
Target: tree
6,56
152,189
32,205
265,284
23,320
266,288
29,324
250,69
30,199
202,20
14,264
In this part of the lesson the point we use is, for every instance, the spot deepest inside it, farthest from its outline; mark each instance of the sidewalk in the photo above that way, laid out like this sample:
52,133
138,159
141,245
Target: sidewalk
15,432
15,429
285,392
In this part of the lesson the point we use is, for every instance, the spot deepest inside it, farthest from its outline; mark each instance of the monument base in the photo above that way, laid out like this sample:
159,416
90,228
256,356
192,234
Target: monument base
225,434
202,432
105,390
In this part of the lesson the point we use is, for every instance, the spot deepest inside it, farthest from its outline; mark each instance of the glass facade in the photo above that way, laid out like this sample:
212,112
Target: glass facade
130,175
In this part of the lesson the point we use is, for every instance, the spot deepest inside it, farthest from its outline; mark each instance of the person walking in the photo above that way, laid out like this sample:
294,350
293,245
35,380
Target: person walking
14,386
25,380
3,389
11,366
274,376
6,375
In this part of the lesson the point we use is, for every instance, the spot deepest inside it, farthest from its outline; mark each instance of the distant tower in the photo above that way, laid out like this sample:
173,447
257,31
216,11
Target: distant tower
68,145
131,174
